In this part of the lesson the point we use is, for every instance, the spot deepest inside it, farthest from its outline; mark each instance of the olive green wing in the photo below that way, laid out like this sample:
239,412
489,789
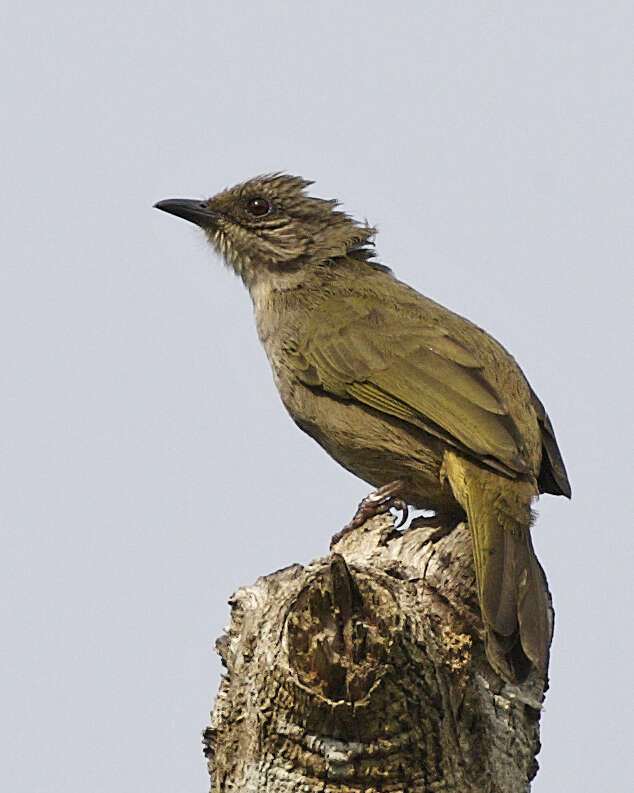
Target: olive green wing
411,369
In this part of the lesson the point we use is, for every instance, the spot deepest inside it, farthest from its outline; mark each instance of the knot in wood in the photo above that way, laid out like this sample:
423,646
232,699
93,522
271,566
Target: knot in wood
339,633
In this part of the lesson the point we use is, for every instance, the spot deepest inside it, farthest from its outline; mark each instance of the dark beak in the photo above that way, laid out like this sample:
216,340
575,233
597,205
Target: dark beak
197,212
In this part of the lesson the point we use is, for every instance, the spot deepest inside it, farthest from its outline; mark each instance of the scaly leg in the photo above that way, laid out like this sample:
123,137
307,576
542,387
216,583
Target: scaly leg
377,503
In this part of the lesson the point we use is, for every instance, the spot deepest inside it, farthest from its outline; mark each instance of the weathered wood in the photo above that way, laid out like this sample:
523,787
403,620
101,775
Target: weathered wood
365,671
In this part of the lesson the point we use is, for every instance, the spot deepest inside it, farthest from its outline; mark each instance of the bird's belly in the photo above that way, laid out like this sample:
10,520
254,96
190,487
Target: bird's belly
374,446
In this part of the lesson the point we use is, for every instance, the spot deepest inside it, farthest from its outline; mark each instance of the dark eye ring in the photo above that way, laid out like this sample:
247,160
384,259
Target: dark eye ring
258,207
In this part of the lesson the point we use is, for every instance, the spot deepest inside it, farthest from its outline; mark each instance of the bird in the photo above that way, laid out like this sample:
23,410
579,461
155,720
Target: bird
411,397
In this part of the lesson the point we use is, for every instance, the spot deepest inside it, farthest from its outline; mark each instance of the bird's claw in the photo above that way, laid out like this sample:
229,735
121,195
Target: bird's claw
376,503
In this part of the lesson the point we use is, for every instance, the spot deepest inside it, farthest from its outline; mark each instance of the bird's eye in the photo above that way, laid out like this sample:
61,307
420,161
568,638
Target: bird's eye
258,207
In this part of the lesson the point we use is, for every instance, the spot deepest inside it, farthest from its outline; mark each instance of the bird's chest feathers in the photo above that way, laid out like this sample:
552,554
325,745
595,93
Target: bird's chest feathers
277,304
274,296
282,309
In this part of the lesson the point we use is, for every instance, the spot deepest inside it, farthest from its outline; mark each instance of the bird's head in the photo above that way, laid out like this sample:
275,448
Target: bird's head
270,223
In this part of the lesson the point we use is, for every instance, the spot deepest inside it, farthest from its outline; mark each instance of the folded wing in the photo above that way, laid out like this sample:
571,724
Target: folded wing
410,369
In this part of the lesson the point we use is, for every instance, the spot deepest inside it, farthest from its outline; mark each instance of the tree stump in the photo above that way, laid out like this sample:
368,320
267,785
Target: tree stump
366,671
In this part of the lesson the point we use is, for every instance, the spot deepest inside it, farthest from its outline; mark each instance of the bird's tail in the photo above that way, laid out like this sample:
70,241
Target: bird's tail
514,597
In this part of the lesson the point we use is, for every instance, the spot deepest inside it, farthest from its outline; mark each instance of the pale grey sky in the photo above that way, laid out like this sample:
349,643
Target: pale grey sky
147,467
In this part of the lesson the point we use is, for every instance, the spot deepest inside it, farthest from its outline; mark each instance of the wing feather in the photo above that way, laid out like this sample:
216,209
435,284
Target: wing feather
414,371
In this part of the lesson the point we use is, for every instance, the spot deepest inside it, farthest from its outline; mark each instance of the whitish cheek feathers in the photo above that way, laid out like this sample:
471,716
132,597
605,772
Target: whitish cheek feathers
240,247
226,247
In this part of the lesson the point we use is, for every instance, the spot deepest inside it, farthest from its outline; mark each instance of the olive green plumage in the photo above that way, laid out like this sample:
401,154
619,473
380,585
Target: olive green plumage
395,386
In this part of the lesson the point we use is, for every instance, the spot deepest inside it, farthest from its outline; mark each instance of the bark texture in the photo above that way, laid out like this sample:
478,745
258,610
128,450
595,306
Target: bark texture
366,671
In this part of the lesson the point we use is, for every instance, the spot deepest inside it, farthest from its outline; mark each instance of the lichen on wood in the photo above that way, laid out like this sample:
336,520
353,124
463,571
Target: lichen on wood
366,671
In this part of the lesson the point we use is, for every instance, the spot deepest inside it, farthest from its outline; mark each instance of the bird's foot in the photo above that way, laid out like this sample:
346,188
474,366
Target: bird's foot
377,503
